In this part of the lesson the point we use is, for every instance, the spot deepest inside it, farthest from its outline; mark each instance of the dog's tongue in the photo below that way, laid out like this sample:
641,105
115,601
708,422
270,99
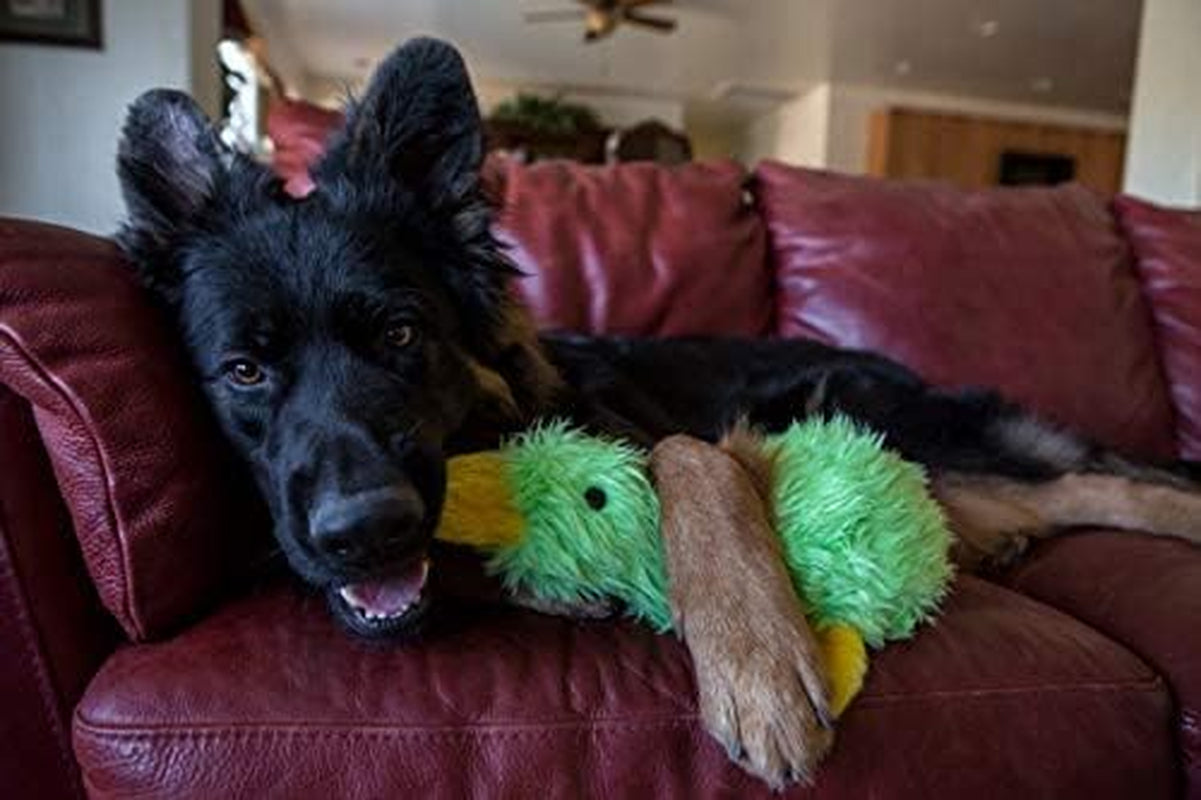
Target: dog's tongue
390,596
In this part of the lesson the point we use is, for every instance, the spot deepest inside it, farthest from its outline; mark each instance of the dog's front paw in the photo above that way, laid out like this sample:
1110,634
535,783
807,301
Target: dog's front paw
766,704
762,691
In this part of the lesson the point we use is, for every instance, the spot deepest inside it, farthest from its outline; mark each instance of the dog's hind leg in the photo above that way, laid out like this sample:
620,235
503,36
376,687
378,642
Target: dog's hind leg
993,517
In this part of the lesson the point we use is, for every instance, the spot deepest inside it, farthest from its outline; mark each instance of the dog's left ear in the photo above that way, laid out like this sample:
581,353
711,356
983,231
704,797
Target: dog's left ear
418,124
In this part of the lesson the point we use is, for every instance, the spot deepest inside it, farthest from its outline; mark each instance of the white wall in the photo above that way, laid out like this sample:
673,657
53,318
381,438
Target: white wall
796,132
1163,160
63,107
851,108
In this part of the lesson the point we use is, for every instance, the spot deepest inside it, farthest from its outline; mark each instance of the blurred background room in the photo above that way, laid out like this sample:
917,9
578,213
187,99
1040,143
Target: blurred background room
976,92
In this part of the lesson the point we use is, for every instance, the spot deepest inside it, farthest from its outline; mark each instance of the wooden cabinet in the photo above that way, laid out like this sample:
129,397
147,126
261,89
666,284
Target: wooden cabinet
904,143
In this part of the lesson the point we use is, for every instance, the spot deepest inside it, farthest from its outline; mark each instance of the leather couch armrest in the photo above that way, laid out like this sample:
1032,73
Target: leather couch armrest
1141,591
136,457
53,631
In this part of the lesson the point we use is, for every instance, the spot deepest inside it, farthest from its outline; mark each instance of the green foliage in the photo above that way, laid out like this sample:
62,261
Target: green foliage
548,115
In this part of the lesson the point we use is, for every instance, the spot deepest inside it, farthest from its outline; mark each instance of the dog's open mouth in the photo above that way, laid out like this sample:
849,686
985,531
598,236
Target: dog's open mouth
386,605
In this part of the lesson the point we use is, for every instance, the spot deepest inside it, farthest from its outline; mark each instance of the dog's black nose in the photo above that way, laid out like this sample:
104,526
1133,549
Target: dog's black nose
368,528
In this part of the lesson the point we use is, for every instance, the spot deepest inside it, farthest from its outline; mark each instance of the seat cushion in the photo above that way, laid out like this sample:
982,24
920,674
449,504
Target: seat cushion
1143,591
1167,244
636,249
1030,291
1005,697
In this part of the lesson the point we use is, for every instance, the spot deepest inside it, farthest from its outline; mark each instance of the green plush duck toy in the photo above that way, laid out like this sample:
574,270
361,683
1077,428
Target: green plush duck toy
571,519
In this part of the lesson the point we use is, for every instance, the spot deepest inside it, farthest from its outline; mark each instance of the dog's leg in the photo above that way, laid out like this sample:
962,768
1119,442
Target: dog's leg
993,516
761,690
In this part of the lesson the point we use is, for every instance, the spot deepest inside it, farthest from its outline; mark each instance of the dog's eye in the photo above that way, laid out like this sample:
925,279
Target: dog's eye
399,336
244,372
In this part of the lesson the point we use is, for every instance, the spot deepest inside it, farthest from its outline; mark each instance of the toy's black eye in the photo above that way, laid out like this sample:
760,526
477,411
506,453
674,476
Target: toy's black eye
399,336
595,497
244,372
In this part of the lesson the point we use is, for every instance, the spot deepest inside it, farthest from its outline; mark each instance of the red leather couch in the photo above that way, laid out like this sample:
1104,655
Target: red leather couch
137,662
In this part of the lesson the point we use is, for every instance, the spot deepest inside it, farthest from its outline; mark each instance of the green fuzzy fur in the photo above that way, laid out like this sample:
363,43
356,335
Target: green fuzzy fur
572,552
865,543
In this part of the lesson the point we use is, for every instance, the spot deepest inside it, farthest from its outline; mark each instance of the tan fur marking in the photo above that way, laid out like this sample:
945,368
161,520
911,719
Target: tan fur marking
745,445
538,380
992,516
758,669
495,388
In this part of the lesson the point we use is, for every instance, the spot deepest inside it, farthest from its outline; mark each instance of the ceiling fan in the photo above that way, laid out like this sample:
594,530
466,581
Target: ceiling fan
601,17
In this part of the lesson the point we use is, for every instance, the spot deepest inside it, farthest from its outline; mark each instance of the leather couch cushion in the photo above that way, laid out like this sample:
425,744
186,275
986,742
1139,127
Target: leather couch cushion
1003,698
637,249
52,632
1144,592
1027,290
134,452
1167,245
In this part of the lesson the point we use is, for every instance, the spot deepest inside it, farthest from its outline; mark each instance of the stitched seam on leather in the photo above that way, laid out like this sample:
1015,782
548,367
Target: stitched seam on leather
253,731
1152,686
79,420
33,652
301,727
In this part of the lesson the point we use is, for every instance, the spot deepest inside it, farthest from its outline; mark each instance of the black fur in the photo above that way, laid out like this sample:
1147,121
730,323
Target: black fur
395,237
352,418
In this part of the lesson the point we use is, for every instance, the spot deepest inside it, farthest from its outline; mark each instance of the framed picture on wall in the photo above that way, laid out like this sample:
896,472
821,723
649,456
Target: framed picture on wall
64,22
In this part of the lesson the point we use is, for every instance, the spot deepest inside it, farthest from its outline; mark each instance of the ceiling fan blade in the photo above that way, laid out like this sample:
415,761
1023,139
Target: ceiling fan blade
659,24
555,15
632,4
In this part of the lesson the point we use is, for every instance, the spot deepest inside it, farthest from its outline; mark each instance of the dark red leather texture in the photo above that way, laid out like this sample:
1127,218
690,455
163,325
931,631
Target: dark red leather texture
299,132
635,249
53,632
1144,593
135,457
1003,698
1078,676
1027,290
1167,246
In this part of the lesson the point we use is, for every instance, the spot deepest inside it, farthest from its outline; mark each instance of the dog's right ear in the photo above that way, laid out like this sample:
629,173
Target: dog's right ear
169,163
416,126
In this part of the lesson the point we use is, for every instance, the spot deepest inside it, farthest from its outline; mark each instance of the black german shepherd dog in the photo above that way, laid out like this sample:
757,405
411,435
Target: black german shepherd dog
350,340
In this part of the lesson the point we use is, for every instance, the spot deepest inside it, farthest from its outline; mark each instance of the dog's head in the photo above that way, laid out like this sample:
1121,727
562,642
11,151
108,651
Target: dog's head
344,338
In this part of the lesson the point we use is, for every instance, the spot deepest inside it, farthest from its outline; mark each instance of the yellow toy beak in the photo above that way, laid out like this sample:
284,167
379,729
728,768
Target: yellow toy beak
845,659
479,511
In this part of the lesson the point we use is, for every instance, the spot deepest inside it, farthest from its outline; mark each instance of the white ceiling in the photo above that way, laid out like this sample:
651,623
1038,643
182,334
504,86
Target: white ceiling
1077,53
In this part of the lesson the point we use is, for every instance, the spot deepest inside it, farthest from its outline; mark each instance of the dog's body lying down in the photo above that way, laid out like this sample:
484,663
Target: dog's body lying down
350,340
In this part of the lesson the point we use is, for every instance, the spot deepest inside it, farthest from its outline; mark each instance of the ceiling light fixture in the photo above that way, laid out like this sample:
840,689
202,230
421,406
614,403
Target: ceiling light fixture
1042,85
903,67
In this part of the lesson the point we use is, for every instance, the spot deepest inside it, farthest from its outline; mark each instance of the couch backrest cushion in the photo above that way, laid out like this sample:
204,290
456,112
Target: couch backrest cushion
299,132
1030,291
637,249
137,459
1167,245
